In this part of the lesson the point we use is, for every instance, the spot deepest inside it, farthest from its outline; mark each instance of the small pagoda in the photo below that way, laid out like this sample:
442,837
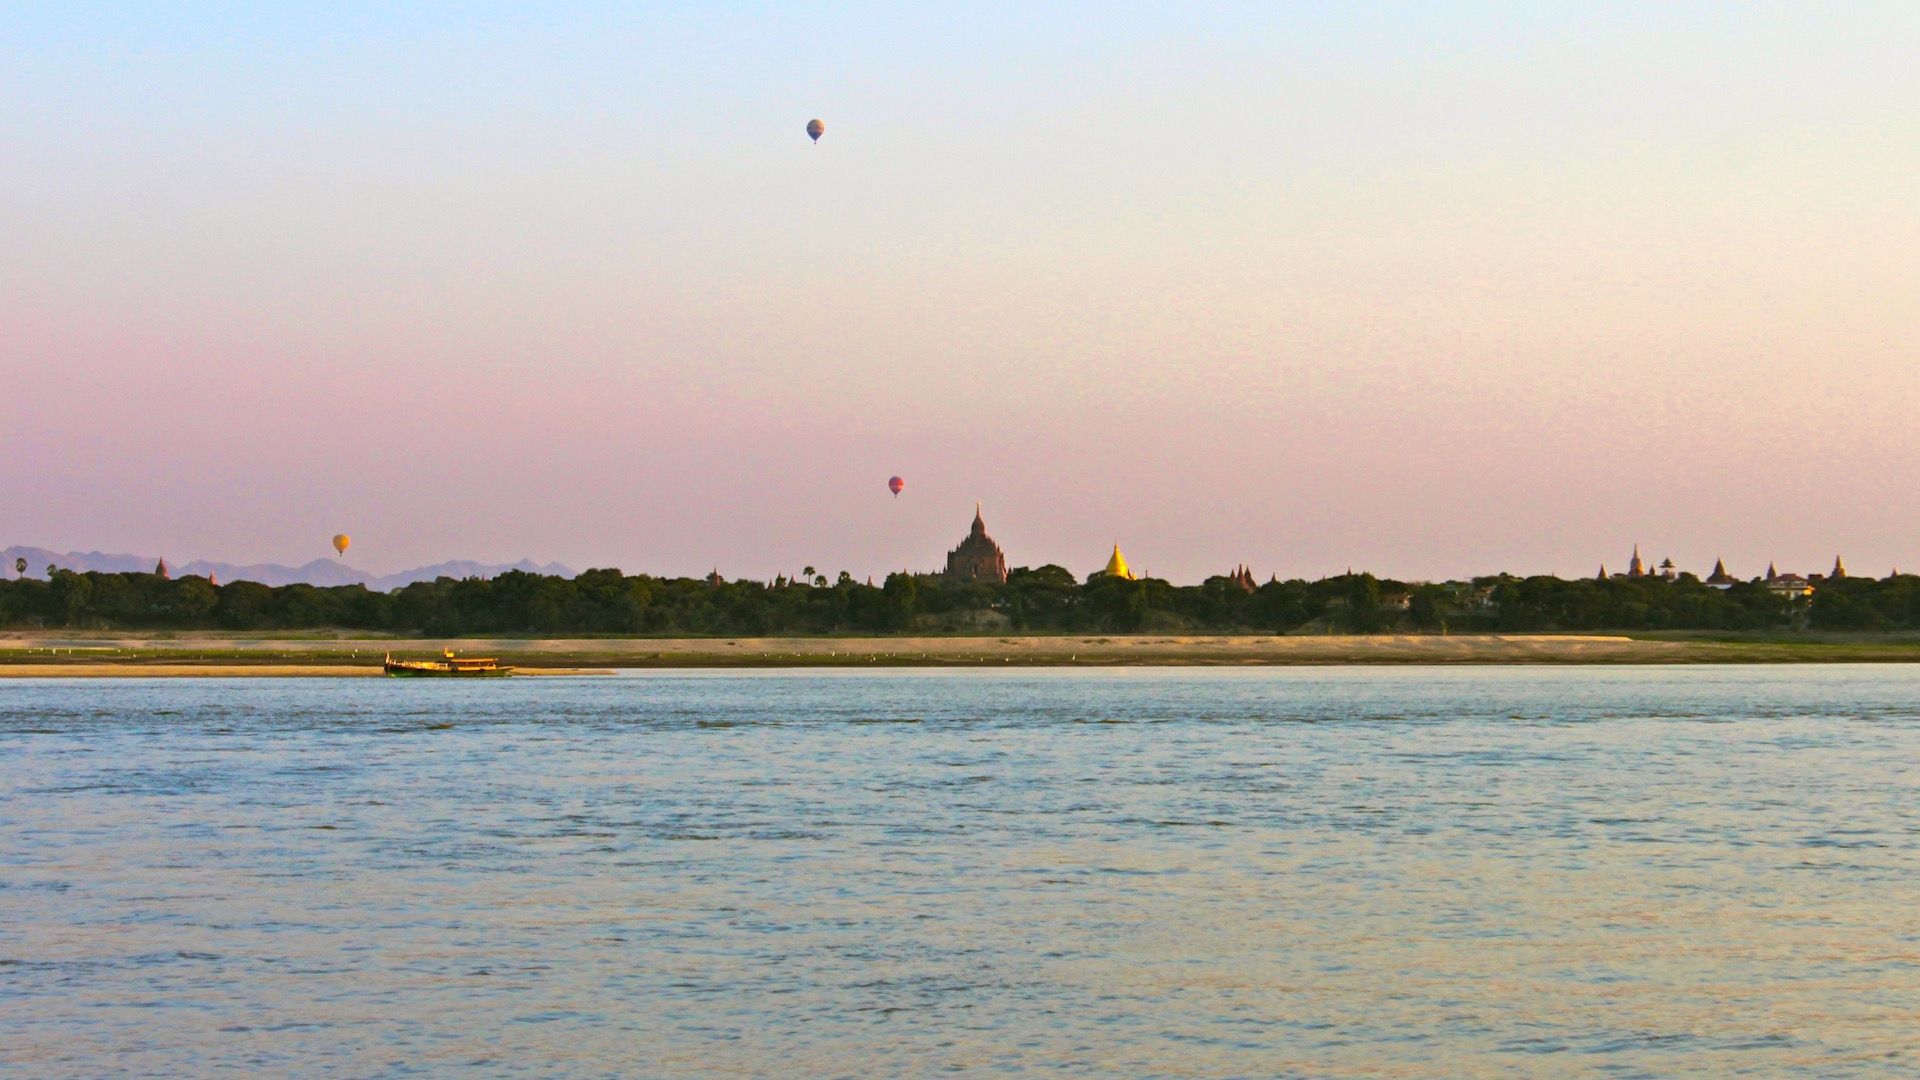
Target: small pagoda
1117,567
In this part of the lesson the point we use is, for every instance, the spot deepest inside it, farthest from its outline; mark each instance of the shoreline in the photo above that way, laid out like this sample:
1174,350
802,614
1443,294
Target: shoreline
204,655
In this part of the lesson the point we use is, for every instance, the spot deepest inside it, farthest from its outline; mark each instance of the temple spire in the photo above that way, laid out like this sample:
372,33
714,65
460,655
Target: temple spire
977,558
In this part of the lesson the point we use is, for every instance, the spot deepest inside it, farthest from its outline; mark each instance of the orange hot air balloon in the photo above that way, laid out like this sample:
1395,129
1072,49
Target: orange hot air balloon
816,129
340,543
894,485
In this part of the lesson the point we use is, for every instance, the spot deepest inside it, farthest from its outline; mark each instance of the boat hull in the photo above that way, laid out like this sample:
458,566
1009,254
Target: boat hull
453,667
403,671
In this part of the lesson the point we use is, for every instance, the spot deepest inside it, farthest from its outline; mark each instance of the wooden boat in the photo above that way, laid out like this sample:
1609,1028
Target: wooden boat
449,666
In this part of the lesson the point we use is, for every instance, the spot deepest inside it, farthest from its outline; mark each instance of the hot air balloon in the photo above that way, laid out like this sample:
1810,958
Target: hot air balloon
894,485
340,543
816,129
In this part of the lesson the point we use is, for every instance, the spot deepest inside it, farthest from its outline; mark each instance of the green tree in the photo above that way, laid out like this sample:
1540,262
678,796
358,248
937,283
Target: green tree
1427,606
193,599
902,596
1116,603
243,605
1363,604
1845,604
71,592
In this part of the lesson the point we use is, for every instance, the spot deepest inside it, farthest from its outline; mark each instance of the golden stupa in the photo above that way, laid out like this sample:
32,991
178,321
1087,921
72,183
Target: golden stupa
1117,566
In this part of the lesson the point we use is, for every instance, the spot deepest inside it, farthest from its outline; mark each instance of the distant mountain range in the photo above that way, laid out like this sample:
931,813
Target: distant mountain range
317,572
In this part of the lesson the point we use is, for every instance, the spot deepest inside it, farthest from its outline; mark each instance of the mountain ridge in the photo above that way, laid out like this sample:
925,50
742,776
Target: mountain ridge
322,572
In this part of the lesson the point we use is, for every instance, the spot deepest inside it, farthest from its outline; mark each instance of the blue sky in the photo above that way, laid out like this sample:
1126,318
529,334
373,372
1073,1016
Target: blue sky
1428,289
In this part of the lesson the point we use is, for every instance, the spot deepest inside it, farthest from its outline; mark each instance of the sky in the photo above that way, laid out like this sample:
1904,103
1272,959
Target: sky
1428,290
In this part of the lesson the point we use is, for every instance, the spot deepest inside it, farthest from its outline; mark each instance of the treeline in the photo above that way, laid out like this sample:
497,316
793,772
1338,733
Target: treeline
1048,598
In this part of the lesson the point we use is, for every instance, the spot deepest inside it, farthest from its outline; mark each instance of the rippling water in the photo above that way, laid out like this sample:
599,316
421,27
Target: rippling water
1324,872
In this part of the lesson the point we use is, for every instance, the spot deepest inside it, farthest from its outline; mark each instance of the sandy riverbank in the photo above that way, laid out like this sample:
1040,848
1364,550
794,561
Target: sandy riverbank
161,670
216,655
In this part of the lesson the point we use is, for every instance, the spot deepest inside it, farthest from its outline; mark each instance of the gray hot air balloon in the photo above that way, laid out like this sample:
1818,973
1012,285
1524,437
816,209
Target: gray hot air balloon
816,129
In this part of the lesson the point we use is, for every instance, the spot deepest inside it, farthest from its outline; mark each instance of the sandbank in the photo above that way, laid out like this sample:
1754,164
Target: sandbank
211,655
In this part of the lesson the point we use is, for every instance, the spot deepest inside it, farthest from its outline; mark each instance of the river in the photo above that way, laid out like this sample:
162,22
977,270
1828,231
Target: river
1380,872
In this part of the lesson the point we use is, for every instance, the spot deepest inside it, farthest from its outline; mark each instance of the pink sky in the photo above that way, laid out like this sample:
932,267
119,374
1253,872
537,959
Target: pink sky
1427,298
